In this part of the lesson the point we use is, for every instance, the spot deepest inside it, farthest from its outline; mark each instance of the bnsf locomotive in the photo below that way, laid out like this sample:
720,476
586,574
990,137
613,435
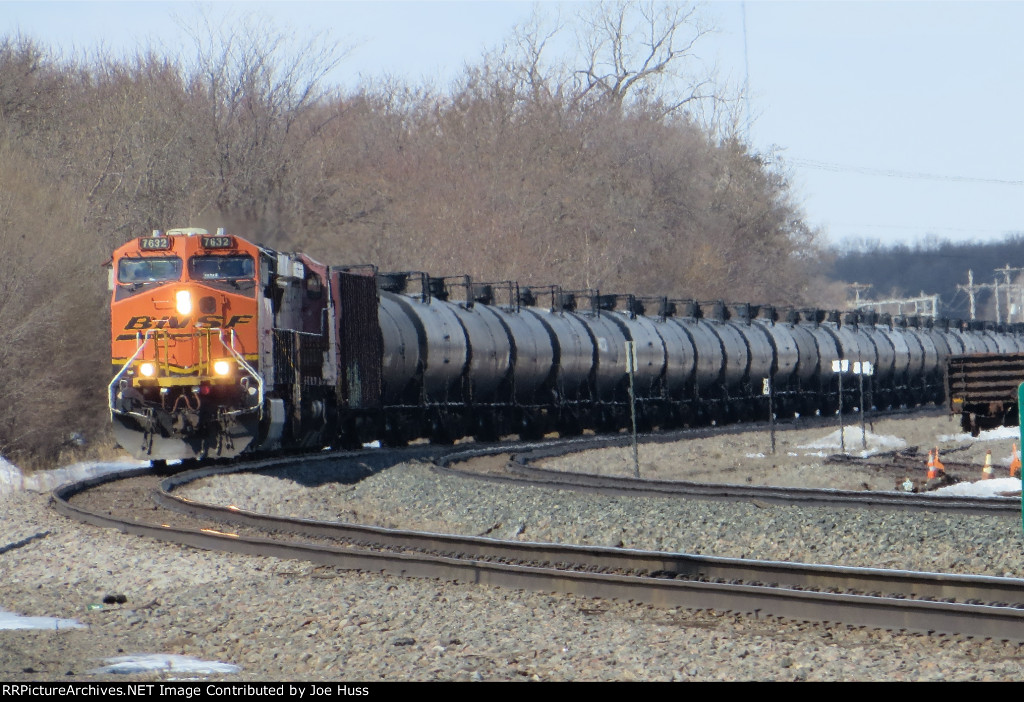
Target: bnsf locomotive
222,347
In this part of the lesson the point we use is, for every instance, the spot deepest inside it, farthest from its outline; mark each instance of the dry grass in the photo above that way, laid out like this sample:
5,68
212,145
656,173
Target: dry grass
101,448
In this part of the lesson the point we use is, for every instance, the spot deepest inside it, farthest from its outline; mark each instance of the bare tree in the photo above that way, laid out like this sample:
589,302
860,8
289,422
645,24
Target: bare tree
645,50
54,353
31,85
249,87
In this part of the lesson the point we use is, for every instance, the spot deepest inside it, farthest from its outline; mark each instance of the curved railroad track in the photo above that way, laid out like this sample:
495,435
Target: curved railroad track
518,469
978,606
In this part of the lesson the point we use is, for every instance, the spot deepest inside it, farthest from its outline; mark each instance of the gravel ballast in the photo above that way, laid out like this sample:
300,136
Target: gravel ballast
290,620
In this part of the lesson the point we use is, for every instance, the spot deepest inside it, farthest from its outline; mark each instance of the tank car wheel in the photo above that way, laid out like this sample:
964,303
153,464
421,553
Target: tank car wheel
486,428
530,429
748,411
809,406
393,438
607,423
439,434
701,417
883,399
915,397
783,408
569,425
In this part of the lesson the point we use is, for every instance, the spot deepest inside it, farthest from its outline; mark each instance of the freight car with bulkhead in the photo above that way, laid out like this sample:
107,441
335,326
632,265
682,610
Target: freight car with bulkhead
222,347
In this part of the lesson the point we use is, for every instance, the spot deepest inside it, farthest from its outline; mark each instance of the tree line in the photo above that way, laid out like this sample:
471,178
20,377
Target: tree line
934,266
618,168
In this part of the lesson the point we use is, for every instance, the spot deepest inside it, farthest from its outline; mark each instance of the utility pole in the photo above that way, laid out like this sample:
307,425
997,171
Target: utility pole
995,294
971,288
1010,288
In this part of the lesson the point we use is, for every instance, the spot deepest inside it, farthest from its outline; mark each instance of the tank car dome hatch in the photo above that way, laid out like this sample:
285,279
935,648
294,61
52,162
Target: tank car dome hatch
437,288
483,293
393,282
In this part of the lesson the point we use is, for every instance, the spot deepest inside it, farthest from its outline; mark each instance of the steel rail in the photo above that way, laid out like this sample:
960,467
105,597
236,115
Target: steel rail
892,613
521,471
898,583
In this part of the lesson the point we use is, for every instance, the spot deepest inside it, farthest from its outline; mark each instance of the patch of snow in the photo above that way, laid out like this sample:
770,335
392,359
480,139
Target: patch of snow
162,662
755,455
982,488
10,620
855,440
12,479
996,434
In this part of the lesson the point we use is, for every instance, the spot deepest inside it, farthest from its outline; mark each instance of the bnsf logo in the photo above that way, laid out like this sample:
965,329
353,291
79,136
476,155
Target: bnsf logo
143,322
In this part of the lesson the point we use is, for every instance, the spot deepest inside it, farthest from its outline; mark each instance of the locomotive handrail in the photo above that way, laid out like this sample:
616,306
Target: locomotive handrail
124,369
245,365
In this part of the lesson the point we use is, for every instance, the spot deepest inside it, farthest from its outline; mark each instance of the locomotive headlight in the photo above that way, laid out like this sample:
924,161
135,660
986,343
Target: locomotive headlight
147,369
222,367
183,302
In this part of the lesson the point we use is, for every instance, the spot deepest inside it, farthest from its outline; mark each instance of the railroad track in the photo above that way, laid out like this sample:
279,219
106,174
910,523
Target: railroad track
978,606
519,469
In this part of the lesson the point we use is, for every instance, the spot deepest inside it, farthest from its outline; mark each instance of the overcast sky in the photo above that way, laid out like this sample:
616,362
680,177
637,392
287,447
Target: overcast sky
898,120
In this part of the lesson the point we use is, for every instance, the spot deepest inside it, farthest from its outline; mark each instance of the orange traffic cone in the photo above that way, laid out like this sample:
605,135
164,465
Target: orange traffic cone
939,467
1015,463
933,471
987,473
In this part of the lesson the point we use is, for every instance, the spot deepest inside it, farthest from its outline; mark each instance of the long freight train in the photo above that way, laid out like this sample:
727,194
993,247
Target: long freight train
222,347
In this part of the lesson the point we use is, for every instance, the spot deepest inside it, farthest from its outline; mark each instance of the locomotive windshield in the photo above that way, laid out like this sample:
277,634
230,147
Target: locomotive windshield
221,267
136,271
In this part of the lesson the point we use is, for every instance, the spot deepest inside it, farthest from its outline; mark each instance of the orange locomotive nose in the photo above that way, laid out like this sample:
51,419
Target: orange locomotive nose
184,339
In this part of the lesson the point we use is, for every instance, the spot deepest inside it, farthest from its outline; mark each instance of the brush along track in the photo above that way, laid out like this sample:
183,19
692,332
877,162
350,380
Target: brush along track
895,600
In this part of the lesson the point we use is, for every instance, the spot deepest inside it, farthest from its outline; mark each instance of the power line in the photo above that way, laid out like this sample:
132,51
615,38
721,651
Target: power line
890,173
